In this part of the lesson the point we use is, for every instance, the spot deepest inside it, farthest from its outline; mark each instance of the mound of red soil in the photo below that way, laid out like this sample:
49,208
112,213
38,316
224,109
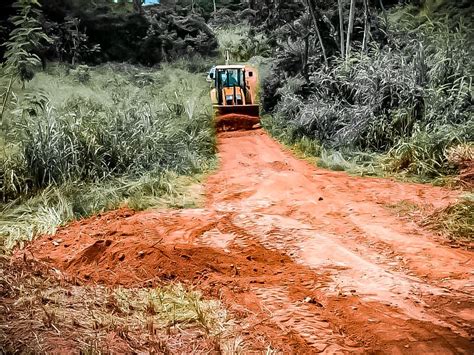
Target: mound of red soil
147,249
233,122
123,248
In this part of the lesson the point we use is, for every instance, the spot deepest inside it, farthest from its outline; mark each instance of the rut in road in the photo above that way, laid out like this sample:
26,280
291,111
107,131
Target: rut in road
307,260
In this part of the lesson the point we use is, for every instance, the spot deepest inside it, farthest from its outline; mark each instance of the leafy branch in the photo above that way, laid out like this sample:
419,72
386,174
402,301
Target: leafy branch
25,38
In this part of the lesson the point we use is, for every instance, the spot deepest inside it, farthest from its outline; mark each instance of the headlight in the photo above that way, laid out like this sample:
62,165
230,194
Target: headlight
229,97
239,97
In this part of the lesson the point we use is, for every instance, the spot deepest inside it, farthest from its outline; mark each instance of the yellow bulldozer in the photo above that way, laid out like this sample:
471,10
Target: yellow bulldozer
234,96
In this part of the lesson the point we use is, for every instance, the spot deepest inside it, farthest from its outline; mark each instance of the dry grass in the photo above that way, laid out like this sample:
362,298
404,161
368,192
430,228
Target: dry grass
404,208
22,220
41,312
455,221
461,155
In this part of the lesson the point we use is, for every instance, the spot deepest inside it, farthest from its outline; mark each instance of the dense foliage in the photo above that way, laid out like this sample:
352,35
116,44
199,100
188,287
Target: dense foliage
102,31
406,92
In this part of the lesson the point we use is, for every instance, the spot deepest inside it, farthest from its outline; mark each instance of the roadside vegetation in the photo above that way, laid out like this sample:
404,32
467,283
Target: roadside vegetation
395,104
81,141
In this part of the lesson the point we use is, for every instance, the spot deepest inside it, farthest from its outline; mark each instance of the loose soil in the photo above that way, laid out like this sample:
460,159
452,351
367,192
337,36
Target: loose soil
233,122
307,260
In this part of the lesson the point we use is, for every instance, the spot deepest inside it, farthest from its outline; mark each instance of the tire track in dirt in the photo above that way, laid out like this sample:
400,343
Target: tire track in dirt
308,260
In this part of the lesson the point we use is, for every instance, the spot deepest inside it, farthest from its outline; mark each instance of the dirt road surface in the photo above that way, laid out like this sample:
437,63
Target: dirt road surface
308,260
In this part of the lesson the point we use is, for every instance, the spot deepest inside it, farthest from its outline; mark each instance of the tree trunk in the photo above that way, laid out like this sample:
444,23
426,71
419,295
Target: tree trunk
316,28
341,27
366,27
350,27
6,99
305,57
215,7
384,15
137,6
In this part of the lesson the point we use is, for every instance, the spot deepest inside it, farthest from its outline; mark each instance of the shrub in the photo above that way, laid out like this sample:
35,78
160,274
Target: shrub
242,43
81,74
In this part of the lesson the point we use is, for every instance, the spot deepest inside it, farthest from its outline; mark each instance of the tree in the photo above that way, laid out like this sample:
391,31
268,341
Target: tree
316,28
350,27
70,43
25,38
137,6
366,26
341,26
384,15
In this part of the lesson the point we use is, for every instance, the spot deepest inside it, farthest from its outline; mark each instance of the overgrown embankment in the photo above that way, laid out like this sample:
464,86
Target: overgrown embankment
85,140
402,105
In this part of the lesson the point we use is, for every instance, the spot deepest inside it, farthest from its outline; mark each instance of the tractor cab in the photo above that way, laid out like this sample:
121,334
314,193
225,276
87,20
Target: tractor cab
233,92
230,82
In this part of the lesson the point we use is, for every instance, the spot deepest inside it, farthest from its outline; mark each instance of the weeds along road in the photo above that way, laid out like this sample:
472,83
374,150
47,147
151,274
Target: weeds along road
306,260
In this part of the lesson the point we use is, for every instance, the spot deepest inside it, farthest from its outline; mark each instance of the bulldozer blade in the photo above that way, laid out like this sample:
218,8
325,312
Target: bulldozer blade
237,117
247,110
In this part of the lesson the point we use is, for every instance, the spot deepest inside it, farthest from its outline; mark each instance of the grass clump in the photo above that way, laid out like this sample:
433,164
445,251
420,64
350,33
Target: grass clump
172,305
427,151
456,221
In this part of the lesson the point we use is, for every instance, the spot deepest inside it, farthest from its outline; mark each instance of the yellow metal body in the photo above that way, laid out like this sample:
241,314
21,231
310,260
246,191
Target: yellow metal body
234,96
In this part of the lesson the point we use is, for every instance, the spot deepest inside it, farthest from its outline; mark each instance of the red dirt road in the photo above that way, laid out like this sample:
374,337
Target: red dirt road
307,260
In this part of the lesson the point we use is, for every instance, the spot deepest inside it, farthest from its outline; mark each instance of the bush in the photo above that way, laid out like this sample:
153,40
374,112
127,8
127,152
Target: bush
81,74
242,43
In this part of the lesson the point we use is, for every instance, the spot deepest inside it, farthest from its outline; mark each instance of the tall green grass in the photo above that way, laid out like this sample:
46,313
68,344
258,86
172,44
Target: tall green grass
90,139
117,124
